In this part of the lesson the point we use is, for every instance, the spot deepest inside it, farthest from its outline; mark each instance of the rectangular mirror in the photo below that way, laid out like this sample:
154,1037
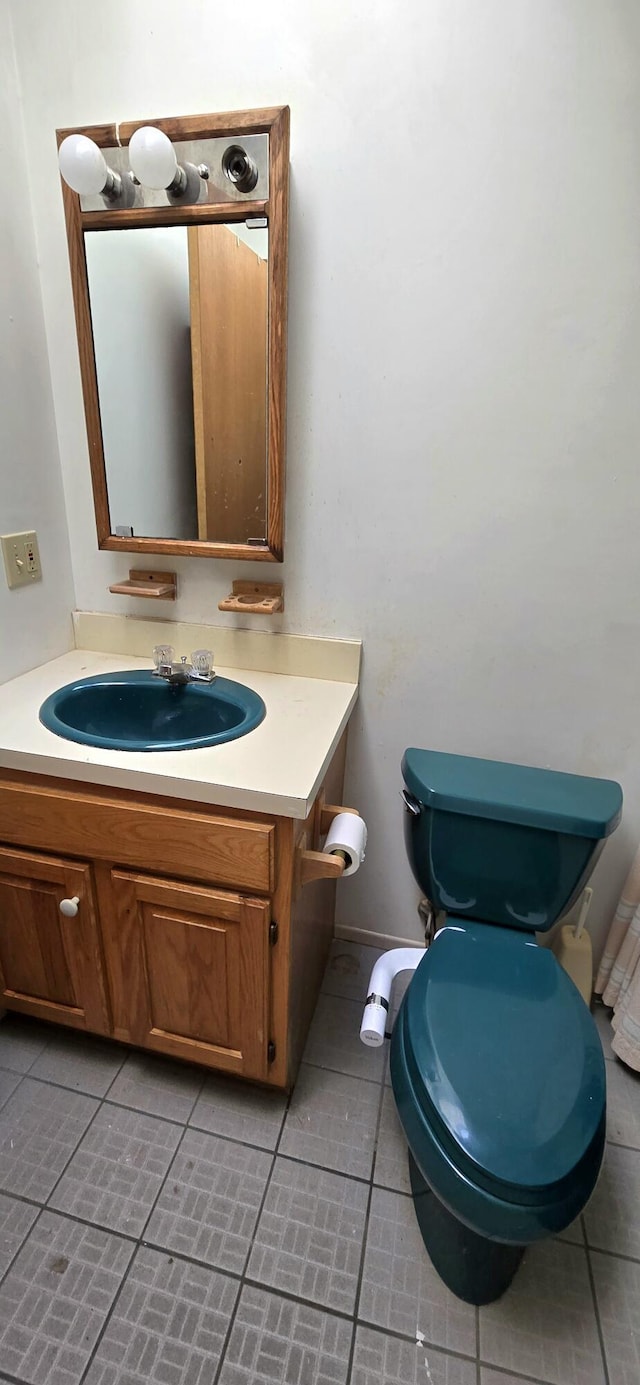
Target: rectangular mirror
181,361
181,317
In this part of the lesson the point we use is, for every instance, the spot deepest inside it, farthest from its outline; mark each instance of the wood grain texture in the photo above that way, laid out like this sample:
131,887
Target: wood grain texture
86,354
180,841
132,217
103,135
228,306
311,927
278,298
279,953
196,984
49,962
190,548
318,865
275,122
192,975
32,956
211,126
164,943
163,586
197,375
254,598
183,127
326,812
122,957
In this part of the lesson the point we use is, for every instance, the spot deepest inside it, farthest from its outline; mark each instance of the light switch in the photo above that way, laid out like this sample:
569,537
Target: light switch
21,558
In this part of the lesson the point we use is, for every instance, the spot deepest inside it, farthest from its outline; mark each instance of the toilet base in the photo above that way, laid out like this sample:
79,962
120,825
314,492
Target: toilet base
474,1268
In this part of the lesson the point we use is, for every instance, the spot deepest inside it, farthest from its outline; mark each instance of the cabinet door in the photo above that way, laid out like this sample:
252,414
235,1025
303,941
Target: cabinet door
50,963
195,964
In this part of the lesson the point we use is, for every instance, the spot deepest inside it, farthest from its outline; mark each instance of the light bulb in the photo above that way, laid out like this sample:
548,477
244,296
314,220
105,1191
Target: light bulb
82,165
152,157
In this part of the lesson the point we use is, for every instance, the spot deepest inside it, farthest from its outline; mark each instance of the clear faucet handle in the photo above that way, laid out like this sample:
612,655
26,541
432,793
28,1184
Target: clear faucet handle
202,661
163,654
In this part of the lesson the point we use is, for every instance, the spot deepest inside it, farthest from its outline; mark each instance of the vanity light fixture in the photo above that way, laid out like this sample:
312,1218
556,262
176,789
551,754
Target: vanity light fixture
154,163
85,169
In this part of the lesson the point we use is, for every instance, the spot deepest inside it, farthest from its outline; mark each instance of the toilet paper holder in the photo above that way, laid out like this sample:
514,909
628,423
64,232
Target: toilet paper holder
319,865
322,865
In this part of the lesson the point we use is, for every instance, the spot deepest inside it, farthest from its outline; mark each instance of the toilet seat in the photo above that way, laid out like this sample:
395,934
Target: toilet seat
499,1080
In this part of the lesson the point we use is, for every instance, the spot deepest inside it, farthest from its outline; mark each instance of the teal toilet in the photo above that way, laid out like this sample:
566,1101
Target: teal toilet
496,1063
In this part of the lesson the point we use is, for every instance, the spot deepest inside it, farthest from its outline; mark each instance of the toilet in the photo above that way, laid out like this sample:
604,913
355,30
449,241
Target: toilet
496,1063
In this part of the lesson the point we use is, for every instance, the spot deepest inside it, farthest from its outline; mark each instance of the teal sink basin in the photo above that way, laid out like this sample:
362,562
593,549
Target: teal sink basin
136,711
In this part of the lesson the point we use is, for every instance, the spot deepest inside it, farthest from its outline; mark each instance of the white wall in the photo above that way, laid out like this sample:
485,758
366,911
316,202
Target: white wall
464,411
139,291
35,622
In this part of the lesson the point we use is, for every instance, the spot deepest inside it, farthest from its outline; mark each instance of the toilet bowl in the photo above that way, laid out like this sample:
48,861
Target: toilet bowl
496,1063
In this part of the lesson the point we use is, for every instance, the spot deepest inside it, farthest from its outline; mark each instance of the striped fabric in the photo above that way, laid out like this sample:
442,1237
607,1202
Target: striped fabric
618,980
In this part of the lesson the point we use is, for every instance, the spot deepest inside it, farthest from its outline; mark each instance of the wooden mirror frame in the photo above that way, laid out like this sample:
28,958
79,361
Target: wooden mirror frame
273,121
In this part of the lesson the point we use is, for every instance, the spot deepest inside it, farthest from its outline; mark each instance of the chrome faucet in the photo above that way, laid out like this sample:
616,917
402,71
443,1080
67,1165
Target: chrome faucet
178,673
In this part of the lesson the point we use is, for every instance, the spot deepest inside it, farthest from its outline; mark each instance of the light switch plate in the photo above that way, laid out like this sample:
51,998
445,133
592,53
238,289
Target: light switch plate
21,558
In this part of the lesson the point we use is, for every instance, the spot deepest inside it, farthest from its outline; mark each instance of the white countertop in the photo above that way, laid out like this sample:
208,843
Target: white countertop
278,768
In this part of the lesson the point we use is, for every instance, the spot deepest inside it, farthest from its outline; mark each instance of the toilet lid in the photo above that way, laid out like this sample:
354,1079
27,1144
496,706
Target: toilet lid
506,1060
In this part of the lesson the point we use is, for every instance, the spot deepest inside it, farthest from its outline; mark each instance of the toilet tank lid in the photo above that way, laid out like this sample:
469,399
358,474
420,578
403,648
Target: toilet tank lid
544,798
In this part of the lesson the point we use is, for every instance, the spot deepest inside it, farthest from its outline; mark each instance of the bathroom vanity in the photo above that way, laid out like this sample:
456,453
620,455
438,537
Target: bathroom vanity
169,900
177,899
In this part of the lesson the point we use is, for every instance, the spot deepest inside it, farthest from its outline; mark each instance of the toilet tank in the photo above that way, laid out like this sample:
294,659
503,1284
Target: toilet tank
507,844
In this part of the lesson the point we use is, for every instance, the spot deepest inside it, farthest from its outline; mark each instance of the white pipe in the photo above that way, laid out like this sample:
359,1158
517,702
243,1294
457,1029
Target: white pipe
374,1019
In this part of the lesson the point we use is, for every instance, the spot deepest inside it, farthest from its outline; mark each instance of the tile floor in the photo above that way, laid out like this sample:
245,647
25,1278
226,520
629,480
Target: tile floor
164,1226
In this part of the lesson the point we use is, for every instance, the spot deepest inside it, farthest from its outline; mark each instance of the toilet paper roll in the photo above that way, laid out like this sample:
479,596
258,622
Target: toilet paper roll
348,833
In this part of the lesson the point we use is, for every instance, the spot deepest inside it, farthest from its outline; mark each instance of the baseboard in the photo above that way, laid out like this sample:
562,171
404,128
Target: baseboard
371,939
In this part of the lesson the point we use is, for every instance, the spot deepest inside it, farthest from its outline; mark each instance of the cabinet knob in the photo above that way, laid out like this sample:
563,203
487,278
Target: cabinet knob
69,907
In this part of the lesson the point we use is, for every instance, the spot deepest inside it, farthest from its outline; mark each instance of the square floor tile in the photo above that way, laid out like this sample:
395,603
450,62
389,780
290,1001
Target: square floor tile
168,1326
16,1219
240,1112
8,1084
210,1202
79,1061
391,1168
623,1105
545,1324
400,1288
382,1360
117,1172
574,1233
491,1377
612,1218
276,1342
309,1237
618,1298
157,1086
56,1297
40,1127
332,1121
334,1040
349,969
21,1040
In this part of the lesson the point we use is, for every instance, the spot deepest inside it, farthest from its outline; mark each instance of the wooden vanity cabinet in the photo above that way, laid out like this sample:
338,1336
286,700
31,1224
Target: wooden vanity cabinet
192,965
193,936
50,964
